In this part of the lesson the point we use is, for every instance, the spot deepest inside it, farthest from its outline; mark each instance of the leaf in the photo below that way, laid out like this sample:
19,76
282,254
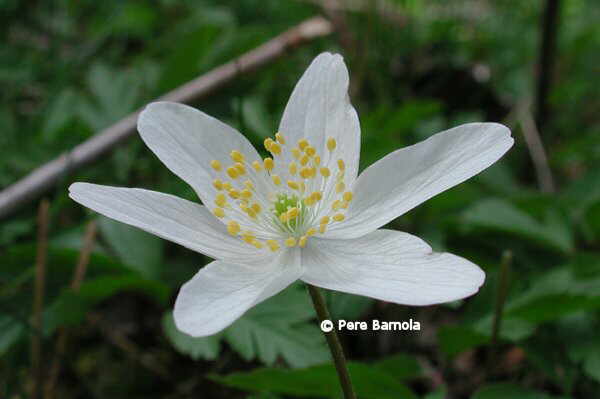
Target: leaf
508,390
142,251
456,339
318,381
278,327
197,348
10,332
502,216
400,366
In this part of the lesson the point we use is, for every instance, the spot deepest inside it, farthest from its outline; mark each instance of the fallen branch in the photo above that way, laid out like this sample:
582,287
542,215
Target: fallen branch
46,176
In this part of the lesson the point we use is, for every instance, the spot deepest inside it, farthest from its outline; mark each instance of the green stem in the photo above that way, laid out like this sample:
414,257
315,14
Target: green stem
337,353
501,294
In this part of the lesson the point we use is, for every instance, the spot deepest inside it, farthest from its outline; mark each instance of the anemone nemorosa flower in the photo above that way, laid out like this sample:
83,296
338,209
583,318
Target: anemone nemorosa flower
302,213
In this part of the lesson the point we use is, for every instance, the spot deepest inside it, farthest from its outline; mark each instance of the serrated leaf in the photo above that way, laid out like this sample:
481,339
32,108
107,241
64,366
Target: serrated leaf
197,348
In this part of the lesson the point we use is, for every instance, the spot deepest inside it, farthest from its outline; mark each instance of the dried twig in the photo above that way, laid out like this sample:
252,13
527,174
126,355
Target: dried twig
536,150
46,176
37,371
78,275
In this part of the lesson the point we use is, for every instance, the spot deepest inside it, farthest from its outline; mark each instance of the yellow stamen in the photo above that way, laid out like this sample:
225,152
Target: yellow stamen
232,172
257,166
275,148
216,165
341,164
316,196
269,164
248,184
220,200
304,159
324,220
219,212
245,193
331,144
236,156
293,168
310,151
257,244
311,232
296,153
317,160
338,217
233,227
345,205
290,242
273,245
268,142
302,241
218,184
302,144
322,228
348,196
337,204
293,185
292,213
325,172
233,193
226,186
339,187
276,179
256,207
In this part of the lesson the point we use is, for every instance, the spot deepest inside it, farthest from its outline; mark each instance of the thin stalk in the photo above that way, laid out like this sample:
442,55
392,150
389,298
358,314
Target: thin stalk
337,353
501,294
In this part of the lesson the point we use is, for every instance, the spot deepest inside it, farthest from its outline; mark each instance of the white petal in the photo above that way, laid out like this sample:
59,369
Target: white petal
319,108
405,178
186,140
391,266
221,292
166,216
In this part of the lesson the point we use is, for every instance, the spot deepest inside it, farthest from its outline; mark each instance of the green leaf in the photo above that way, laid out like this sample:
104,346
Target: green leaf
278,327
502,216
507,390
400,366
10,332
456,339
197,348
142,251
320,381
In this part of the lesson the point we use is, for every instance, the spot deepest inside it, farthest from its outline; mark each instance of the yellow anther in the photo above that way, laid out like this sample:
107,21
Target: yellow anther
279,137
257,166
341,164
310,150
236,156
276,179
296,153
219,212
302,187
256,207
248,184
273,245
292,213
302,241
241,169
302,144
226,186
345,205
337,204
233,227
324,220
233,193
268,142
325,172
293,168
248,237
322,228
216,165
220,200
283,218
218,184
251,213
316,196
269,164
317,160
348,196
307,172
331,144
311,232
308,201
275,148
293,185
304,159
232,172
257,244
245,193
340,187
290,242
338,217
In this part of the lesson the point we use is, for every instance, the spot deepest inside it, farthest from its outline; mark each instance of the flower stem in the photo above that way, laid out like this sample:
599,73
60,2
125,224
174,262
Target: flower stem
333,341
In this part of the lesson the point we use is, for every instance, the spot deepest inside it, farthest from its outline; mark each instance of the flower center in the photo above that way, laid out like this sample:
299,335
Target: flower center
260,208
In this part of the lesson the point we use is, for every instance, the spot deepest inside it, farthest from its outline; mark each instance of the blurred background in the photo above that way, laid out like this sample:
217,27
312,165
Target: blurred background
85,302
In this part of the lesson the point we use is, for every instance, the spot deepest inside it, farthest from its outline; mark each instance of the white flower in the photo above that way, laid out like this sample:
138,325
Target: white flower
304,213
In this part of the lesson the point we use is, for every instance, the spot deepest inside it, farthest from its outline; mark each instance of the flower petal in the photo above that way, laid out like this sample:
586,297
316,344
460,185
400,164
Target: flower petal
391,266
319,108
166,216
186,140
221,292
407,177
